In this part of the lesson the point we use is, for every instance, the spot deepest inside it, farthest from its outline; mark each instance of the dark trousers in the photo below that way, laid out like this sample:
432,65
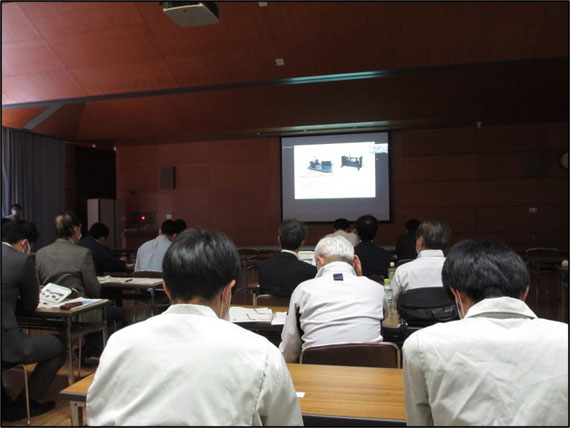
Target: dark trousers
94,341
46,350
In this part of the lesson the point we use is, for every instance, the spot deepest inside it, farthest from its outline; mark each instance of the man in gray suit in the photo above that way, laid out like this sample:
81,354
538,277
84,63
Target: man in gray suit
20,293
65,263
72,266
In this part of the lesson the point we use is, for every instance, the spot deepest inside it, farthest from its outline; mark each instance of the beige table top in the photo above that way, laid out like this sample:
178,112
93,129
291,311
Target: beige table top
350,392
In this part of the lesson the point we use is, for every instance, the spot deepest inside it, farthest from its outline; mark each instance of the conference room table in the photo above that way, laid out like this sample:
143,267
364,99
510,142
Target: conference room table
64,319
130,283
328,395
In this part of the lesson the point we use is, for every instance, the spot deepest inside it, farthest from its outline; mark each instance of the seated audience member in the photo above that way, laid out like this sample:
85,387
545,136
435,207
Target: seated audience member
151,253
181,225
336,306
500,364
406,244
15,212
342,228
69,265
432,238
103,257
279,276
374,259
20,290
188,365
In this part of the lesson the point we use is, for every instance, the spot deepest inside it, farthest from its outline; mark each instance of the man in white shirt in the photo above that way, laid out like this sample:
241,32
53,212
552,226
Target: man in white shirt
342,228
188,366
499,364
337,306
151,253
432,237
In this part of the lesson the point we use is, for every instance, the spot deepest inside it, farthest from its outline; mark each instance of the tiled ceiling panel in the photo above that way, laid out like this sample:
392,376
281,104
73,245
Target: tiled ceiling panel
116,50
16,26
28,56
112,46
124,77
61,18
48,85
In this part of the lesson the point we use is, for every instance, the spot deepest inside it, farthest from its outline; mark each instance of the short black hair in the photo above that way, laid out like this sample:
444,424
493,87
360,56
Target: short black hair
200,264
292,232
181,225
367,226
64,224
169,228
98,231
14,231
436,234
341,223
15,206
483,269
412,225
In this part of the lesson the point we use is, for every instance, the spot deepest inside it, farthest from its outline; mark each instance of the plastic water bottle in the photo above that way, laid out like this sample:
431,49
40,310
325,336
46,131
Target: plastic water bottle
389,292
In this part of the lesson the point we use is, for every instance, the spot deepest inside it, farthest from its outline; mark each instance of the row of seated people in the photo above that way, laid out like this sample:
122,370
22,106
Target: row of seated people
248,375
234,376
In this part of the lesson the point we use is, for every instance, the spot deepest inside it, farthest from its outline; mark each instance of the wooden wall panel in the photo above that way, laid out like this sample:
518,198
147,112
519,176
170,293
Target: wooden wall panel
475,179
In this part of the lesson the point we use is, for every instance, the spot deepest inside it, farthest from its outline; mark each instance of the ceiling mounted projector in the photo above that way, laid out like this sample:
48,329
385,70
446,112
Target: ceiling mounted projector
191,13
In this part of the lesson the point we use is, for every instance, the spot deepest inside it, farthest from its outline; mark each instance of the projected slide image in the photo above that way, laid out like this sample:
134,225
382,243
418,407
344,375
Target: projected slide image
335,171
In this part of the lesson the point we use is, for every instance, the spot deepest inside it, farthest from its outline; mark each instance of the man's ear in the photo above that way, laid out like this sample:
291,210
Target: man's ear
525,293
419,244
166,290
228,288
320,261
455,293
279,240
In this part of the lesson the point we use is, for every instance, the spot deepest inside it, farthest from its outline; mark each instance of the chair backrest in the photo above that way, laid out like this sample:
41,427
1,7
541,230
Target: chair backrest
425,306
147,274
542,251
269,300
378,278
376,354
402,261
563,276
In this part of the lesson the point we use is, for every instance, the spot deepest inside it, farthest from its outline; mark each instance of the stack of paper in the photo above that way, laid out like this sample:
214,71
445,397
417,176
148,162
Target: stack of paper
238,314
83,300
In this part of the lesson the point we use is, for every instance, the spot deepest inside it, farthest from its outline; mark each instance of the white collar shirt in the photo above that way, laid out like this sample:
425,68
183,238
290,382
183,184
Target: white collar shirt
335,307
151,253
188,367
291,252
500,365
425,271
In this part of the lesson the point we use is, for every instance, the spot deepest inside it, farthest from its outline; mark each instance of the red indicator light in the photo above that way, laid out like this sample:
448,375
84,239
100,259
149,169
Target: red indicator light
143,217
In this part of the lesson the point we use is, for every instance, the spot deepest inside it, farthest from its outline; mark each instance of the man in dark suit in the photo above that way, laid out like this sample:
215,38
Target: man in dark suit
103,257
374,259
69,265
279,276
406,244
20,293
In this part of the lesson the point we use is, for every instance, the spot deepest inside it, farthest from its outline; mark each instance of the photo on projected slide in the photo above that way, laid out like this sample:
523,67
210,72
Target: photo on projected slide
335,171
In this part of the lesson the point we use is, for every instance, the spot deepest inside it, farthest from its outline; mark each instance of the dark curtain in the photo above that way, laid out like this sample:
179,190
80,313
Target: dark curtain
33,170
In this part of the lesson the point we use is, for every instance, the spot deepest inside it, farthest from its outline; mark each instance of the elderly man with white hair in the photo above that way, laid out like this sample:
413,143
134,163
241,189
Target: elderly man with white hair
337,306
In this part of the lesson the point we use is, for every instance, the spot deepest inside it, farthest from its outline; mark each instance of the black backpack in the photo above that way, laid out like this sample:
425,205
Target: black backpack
421,307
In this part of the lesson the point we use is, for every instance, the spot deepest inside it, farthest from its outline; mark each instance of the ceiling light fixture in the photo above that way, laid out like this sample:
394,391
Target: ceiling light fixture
279,61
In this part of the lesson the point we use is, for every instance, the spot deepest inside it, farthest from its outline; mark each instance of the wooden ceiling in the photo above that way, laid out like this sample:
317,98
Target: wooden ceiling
124,73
